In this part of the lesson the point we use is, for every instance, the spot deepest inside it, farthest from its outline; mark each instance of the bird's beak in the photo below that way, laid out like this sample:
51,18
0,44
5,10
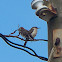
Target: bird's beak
38,28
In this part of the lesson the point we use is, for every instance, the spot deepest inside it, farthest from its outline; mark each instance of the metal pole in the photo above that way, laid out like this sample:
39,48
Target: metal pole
46,11
55,31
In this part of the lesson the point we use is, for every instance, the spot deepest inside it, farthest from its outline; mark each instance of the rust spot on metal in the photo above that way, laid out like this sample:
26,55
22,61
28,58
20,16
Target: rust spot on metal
57,42
57,34
58,52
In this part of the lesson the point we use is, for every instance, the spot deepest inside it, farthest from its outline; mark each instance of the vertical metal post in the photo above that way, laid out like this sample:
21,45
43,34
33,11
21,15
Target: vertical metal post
55,30
54,24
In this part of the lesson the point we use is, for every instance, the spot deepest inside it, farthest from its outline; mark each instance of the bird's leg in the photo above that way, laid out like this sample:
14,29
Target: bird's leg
27,38
25,43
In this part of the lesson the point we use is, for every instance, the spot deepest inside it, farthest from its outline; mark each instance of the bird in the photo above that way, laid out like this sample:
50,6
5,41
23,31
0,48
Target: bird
28,34
25,33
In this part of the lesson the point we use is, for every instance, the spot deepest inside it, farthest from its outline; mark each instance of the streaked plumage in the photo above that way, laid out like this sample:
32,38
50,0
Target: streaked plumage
28,34
25,33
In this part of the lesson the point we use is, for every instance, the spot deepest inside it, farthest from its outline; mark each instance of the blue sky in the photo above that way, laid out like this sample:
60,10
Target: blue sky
12,13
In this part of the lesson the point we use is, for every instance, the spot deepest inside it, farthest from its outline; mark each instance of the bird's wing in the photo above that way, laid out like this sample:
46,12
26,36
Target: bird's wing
31,37
24,33
31,30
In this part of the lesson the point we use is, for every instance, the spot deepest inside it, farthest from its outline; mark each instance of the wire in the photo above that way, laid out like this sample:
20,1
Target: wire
6,40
